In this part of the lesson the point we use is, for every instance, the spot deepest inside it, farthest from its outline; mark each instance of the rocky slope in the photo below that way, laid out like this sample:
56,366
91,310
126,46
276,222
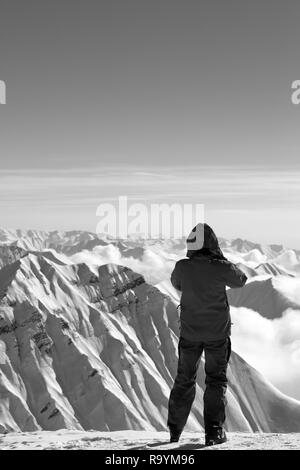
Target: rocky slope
10,253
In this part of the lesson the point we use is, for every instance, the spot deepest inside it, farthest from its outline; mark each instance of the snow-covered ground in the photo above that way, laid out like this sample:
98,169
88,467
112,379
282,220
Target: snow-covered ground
136,440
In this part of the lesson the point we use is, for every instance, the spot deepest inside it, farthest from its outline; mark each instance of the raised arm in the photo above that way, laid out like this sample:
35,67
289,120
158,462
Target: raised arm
233,276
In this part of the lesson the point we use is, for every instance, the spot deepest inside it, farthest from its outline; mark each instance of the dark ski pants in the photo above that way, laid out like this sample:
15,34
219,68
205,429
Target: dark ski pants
217,354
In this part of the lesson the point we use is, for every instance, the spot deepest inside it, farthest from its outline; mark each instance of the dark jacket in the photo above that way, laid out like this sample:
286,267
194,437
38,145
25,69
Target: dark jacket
202,279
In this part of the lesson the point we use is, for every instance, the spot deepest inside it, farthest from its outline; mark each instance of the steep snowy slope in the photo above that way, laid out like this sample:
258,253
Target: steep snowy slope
273,269
85,347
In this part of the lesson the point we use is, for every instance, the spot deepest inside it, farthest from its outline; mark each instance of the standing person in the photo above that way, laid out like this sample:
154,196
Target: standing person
205,325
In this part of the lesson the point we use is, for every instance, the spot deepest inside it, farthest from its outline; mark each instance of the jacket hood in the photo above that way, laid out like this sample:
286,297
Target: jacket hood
202,241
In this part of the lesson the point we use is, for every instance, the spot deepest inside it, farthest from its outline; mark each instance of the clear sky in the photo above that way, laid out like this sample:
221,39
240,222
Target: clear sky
140,88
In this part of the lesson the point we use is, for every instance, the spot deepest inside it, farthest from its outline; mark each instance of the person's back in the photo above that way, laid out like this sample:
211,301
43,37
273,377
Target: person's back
205,325
202,280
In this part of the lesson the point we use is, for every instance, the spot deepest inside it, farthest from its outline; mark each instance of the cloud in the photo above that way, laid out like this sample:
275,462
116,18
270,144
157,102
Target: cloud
288,287
153,266
211,182
271,346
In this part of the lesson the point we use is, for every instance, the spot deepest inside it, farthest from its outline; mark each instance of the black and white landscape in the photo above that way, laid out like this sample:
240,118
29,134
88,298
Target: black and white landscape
89,332
171,106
